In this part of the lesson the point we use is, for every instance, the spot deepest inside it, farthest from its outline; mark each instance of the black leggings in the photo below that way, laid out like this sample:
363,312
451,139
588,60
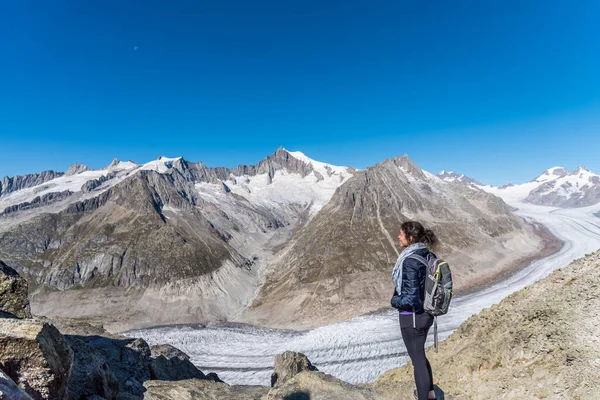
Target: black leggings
414,340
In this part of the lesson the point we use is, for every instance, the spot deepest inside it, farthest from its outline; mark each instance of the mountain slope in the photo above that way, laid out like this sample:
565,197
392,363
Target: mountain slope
340,264
167,241
541,342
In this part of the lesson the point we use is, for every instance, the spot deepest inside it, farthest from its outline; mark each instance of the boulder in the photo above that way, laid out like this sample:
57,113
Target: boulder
289,364
10,390
316,385
36,357
13,293
213,377
127,361
91,374
201,389
168,363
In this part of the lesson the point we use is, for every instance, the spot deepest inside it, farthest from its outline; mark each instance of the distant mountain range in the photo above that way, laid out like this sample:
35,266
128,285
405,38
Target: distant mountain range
289,241
554,187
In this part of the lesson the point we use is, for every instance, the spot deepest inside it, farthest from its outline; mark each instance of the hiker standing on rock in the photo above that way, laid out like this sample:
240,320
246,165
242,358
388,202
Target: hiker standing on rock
409,277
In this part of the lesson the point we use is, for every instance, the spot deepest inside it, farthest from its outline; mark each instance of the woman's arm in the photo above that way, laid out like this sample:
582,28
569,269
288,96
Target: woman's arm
410,295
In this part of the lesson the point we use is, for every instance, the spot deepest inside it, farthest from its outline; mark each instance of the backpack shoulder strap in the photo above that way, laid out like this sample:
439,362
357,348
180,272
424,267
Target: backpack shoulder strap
419,258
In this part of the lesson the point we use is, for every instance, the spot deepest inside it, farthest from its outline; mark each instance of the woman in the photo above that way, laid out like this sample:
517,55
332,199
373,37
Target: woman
409,278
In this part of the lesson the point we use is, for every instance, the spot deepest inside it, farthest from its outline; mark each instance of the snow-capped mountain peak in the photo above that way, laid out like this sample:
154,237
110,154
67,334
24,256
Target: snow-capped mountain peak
452,177
321,167
551,174
555,187
281,181
161,165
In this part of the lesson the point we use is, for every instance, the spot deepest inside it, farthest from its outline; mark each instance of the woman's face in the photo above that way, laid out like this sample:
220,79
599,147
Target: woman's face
403,239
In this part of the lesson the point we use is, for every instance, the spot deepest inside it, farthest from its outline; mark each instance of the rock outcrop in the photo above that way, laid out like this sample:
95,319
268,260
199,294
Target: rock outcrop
201,389
9,185
39,201
542,342
76,169
36,357
91,374
317,385
289,364
168,363
296,378
13,293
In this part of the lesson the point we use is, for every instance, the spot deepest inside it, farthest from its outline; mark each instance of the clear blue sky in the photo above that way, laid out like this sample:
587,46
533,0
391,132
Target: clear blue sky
498,90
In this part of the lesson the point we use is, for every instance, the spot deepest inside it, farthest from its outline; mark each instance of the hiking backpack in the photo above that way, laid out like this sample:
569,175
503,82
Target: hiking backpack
438,288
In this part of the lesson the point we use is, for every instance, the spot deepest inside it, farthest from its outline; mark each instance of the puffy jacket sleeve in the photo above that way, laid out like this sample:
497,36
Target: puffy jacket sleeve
410,295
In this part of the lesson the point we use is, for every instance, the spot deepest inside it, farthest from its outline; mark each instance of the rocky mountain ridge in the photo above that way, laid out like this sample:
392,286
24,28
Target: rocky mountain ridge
163,230
451,176
9,185
171,241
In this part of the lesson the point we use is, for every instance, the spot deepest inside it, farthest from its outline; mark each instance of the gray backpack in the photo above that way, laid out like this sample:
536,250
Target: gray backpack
438,288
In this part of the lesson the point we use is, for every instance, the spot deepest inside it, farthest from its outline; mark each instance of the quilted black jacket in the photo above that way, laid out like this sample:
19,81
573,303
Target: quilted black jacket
412,290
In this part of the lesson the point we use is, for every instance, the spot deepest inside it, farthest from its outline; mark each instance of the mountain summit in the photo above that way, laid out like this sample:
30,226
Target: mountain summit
452,177
563,189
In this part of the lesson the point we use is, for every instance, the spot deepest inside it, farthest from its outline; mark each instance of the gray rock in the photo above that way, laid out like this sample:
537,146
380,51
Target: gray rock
9,390
171,364
95,183
45,200
9,185
289,364
13,293
317,385
91,374
213,377
201,389
126,361
76,169
35,356
114,163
